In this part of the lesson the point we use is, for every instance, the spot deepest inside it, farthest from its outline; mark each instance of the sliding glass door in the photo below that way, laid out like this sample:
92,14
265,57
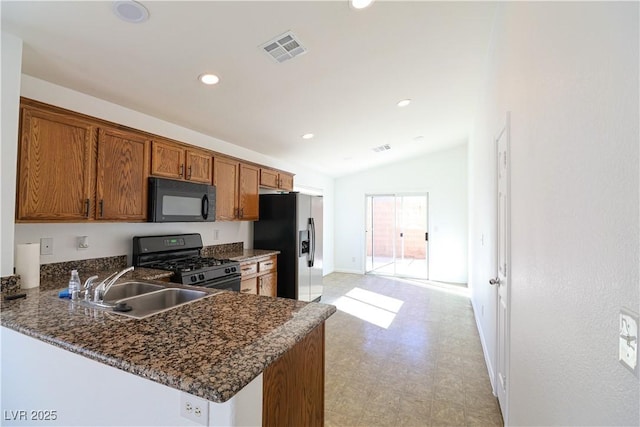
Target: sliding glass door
397,235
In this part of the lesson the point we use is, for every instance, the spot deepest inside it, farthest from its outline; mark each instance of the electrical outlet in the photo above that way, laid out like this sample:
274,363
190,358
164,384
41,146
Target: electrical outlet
83,242
46,246
628,340
194,408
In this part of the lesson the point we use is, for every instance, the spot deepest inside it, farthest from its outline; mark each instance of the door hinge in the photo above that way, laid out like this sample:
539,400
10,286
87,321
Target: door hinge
426,237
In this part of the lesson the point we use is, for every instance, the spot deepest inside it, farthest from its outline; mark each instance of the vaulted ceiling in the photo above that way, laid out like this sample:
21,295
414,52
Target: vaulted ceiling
344,89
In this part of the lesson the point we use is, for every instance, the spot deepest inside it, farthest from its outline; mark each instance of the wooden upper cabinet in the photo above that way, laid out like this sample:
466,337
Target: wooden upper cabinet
199,166
286,181
171,160
274,179
269,178
248,192
121,178
225,178
236,190
55,165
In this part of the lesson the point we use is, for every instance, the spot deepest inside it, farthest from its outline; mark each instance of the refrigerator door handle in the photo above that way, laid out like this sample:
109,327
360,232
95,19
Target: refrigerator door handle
312,237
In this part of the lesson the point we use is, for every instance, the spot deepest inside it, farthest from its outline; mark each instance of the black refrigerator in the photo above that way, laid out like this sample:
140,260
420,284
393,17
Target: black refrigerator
292,224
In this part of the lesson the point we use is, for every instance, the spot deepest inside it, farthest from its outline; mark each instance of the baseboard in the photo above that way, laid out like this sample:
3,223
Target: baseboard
487,361
340,270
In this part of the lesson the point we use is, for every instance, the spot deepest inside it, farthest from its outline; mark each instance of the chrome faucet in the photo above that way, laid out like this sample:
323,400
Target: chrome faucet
87,287
105,285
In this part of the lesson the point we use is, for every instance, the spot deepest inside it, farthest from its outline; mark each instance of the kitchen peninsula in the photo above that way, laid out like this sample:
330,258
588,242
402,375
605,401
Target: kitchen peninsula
234,359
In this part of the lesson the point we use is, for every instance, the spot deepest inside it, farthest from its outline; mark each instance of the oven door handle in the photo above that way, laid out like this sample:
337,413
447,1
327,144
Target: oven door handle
205,206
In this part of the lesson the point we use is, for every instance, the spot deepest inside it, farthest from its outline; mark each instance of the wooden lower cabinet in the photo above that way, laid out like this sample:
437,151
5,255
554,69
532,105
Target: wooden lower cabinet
293,386
260,276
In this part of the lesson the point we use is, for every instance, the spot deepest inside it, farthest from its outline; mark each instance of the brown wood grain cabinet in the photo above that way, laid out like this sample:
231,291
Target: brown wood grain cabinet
71,169
121,176
236,189
293,386
271,178
172,160
260,276
56,158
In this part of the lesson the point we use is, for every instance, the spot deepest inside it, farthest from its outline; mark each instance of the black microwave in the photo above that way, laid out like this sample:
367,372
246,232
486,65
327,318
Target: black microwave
181,201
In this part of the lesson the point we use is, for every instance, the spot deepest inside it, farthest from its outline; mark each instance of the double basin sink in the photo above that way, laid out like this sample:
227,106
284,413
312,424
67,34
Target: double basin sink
143,299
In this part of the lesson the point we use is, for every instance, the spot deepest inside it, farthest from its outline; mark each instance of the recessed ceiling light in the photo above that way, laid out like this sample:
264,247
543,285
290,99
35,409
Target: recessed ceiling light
130,11
419,138
403,103
360,4
209,79
308,136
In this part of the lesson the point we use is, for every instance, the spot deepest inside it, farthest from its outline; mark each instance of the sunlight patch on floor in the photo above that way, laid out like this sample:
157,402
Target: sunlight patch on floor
377,309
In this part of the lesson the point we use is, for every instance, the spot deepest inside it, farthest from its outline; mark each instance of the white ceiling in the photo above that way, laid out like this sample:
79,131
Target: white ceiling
359,64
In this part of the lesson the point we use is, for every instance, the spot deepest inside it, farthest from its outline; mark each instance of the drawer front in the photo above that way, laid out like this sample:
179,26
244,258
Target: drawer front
248,269
267,265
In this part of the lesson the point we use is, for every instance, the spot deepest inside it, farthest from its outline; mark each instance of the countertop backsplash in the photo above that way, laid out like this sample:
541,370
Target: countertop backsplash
56,275
225,250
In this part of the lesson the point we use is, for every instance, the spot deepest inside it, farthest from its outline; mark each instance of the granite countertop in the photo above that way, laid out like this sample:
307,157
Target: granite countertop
251,254
210,348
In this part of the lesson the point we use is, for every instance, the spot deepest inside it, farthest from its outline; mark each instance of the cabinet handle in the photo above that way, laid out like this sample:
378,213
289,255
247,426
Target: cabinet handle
189,175
246,269
245,290
181,169
241,212
87,206
268,264
101,208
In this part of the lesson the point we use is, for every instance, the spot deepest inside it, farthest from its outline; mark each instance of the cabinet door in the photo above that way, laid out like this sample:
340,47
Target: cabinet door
121,181
267,284
286,182
249,286
268,178
248,202
198,166
225,178
167,159
56,165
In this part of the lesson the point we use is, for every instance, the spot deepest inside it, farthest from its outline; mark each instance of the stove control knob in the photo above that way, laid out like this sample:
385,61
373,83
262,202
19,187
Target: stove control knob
226,270
201,276
194,278
234,269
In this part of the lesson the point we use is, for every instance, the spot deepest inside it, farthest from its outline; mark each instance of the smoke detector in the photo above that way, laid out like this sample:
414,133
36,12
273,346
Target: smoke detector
284,47
381,148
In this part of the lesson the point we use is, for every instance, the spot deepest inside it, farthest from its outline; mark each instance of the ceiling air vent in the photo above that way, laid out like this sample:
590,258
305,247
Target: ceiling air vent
284,47
381,148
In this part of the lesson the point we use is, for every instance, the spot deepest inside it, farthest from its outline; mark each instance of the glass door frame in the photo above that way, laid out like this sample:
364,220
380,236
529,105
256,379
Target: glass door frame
369,264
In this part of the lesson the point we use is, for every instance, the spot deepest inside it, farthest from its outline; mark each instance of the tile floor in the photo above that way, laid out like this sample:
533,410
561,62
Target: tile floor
420,365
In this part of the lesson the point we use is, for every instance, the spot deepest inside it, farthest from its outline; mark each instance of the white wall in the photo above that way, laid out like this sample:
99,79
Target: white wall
568,72
444,176
108,239
11,66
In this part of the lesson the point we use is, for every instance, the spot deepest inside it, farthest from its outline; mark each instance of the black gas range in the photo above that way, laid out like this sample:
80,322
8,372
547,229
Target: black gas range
180,254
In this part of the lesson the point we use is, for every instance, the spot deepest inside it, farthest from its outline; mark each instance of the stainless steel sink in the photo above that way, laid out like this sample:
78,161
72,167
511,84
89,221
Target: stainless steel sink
157,301
129,289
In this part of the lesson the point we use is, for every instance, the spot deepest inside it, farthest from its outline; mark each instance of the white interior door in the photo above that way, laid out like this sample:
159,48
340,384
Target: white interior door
501,281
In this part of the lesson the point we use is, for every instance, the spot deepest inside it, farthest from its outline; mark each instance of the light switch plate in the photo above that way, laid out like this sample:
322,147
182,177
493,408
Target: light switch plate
628,340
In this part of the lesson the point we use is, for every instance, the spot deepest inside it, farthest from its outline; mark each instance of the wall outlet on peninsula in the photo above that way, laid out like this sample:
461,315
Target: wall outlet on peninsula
194,408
